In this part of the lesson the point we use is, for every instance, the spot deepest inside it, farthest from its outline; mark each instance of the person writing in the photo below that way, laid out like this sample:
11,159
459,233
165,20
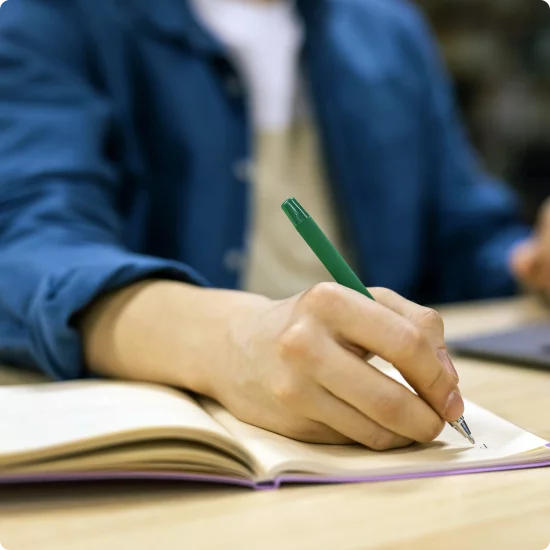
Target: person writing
145,148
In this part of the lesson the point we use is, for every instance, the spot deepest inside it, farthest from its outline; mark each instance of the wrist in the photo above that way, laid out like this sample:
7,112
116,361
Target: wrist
165,332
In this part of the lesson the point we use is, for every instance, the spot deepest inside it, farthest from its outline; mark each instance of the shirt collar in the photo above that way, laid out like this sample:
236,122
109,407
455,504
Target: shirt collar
176,20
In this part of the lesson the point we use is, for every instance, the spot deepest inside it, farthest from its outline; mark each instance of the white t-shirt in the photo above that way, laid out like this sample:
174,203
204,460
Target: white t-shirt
264,41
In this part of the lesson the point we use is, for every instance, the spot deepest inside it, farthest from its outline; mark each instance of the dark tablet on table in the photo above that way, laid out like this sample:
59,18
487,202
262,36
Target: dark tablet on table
528,345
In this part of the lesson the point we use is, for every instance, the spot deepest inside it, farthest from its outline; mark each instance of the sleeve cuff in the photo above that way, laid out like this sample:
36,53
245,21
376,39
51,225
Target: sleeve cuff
56,345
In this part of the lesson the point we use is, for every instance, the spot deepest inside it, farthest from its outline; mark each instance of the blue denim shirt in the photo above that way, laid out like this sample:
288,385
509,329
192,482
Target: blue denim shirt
124,130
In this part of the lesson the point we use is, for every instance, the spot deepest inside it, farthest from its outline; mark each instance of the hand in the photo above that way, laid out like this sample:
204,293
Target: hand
530,260
296,367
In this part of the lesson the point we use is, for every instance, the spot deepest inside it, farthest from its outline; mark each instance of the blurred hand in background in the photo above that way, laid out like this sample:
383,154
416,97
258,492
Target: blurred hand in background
530,260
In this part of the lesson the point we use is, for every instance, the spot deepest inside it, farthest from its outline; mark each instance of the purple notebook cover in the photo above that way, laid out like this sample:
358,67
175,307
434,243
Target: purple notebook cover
275,484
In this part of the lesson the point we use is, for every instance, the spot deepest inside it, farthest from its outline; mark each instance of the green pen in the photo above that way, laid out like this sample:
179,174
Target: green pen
339,268
322,247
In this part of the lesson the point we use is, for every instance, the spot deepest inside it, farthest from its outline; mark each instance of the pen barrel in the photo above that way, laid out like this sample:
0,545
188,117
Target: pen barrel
330,257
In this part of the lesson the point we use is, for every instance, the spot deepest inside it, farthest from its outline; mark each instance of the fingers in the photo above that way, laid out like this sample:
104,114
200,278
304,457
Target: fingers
424,317
377,397
342,418
301,428
527,264
530,260
372,326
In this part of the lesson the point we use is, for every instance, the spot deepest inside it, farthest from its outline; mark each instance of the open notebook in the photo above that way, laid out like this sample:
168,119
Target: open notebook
105,430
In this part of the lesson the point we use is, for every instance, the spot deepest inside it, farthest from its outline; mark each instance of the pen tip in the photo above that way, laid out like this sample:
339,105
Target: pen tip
462,428
467,432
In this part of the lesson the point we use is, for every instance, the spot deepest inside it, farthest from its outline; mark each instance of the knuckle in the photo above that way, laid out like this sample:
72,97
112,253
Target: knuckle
287,391
410,342
430,318
322,296
297,342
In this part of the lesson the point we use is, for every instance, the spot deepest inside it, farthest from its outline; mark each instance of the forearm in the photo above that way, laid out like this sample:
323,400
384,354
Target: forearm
164,332
295,367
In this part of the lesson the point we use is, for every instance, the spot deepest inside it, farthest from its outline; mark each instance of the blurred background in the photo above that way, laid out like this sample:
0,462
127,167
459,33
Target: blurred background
498,52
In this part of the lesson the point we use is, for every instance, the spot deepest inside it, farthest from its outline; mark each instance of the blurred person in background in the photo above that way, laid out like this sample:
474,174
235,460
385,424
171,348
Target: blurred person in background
145,148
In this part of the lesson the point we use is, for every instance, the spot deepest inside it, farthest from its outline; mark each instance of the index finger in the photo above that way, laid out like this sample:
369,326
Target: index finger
424,317
355,319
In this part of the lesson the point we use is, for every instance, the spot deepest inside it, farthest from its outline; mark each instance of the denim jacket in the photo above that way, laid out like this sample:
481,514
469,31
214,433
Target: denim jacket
124,138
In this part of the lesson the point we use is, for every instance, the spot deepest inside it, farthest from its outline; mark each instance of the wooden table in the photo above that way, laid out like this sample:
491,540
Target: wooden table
509,510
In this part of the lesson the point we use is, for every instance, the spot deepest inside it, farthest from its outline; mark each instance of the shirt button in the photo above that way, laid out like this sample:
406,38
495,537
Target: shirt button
243,170
234,260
